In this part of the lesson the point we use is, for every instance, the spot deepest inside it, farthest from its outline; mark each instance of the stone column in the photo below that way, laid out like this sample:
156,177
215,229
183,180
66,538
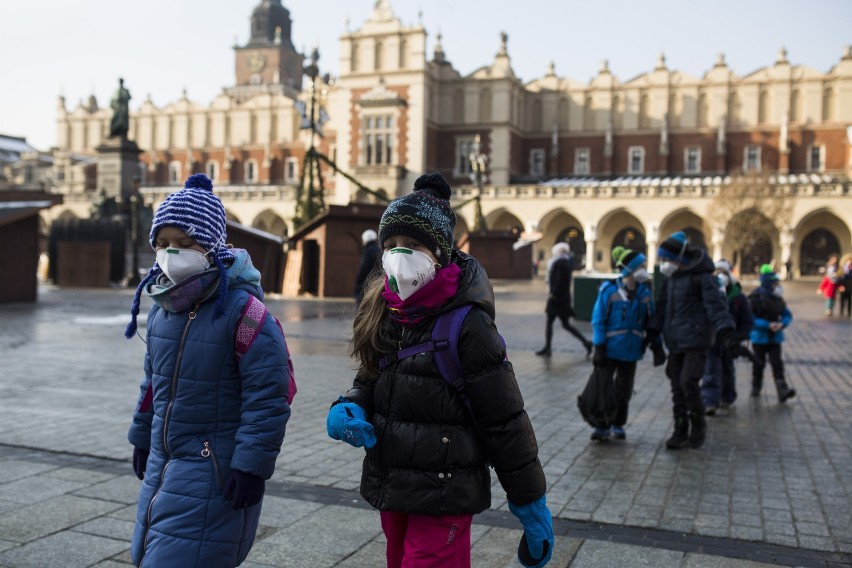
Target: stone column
718,239
652,242
590,233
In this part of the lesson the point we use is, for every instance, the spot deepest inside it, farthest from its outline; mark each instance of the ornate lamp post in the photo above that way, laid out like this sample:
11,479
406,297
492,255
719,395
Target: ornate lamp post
478,160
310,201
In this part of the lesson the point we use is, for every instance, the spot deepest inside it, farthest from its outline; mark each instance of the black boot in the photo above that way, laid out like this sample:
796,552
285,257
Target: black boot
756,385
589,347
698,429
784,390
680,437
544,351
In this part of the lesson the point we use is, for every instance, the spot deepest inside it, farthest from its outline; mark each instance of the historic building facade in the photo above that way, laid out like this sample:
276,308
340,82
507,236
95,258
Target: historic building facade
600,163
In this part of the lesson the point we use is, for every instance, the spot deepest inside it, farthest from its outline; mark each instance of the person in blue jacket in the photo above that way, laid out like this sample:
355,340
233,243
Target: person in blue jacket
719,384
619,317
771,318
210,420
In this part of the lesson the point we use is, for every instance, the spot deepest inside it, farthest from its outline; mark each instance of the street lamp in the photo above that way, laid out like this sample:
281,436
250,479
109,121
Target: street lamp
477,175
133,280
310,202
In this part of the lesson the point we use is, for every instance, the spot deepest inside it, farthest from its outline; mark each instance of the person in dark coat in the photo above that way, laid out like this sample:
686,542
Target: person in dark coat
208,424
719,384
691,313
428,446
370,254
845,287
560,270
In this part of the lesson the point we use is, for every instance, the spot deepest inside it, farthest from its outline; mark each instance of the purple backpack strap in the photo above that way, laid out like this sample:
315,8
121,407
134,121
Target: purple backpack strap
248,329
445,335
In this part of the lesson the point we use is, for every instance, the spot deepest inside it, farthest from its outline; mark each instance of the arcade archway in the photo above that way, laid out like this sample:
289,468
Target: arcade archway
618,228
690,223
270,222
816,247
818,235
750,241
560,226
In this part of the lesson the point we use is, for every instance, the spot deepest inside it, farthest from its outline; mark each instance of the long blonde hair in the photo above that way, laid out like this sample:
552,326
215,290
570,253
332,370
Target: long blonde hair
370,337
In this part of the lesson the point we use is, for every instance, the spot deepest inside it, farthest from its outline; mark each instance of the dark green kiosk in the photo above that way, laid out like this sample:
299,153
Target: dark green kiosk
586,287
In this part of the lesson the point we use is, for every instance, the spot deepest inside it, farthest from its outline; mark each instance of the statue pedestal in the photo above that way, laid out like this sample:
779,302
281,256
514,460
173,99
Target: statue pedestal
118,165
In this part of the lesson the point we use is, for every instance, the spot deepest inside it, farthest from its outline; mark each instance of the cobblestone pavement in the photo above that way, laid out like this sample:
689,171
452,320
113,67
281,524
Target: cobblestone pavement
771,486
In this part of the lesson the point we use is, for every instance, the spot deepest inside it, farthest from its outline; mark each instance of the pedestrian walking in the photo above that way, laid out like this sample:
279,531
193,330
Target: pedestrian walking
560,270
845,286
771,318
719,384
214,398
370,255
621,313
691,313
429,443
829,284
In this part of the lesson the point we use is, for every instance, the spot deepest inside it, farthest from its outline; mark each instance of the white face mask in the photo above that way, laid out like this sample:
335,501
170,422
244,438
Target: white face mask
641,276
180,263
408,270
724,279
668,268
778,291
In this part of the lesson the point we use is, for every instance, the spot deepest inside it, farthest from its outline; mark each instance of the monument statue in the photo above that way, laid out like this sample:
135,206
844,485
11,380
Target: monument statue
120,103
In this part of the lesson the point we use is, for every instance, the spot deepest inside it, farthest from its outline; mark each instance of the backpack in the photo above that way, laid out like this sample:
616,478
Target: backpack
766,306
248,328
597,402
444,343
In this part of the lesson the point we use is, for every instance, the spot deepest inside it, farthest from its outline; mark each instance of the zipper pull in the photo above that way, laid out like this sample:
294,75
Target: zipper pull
194,313
205,453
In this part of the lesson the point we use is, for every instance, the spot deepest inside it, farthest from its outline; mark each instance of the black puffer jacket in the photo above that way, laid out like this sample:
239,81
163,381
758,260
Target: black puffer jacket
430,457
691,310
559,298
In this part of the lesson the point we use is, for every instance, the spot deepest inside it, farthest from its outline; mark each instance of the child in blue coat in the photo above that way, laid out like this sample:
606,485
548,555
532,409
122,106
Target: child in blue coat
771,318
213,404
619,318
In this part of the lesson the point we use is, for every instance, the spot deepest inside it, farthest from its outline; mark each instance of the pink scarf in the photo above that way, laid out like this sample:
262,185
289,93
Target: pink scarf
426,300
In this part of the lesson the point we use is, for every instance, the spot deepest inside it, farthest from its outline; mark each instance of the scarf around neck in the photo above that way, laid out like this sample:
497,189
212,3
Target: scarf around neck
426,301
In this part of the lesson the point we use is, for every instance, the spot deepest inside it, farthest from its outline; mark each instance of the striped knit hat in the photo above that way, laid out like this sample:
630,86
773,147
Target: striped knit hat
425,215
196,211
674,247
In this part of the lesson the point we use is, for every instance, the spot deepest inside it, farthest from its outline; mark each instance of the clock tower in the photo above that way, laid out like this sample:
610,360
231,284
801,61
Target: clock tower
269,61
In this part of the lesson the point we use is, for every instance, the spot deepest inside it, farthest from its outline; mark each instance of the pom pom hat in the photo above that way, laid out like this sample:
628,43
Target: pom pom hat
425,215
196,211
768,277
628,260
673,248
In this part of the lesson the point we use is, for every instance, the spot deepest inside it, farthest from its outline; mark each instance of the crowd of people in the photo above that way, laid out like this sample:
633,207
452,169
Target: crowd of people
434,401
837,281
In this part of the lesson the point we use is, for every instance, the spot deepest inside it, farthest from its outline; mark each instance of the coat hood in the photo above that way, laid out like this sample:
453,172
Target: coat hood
696,260
474,286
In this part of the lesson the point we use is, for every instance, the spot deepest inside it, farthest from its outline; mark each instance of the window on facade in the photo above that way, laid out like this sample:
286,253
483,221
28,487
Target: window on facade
464,146
816,158
581,162
751,159
213,171
378,140
692,160
537,162
174,172
636,160
251,171
291,170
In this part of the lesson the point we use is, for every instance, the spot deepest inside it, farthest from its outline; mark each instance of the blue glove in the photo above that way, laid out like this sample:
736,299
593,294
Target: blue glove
347,422
536,545
246,488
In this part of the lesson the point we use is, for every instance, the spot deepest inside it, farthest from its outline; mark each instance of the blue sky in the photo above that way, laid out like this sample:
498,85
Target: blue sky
160,47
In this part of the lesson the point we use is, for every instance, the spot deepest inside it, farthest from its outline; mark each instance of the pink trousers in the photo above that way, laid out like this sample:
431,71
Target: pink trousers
424,541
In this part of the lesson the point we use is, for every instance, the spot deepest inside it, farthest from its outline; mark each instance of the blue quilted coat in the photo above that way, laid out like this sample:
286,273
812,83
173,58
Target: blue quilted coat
619,322
209,414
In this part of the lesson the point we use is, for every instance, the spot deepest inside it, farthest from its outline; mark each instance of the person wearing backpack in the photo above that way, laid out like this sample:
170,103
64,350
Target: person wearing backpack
429,443
719,384
771,318
213,403
619,318
691,314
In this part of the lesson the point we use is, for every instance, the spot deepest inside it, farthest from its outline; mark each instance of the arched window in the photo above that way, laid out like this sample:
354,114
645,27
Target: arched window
485,106
378,55
828,104
763,106
644,119
702,110
537,116
795,103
